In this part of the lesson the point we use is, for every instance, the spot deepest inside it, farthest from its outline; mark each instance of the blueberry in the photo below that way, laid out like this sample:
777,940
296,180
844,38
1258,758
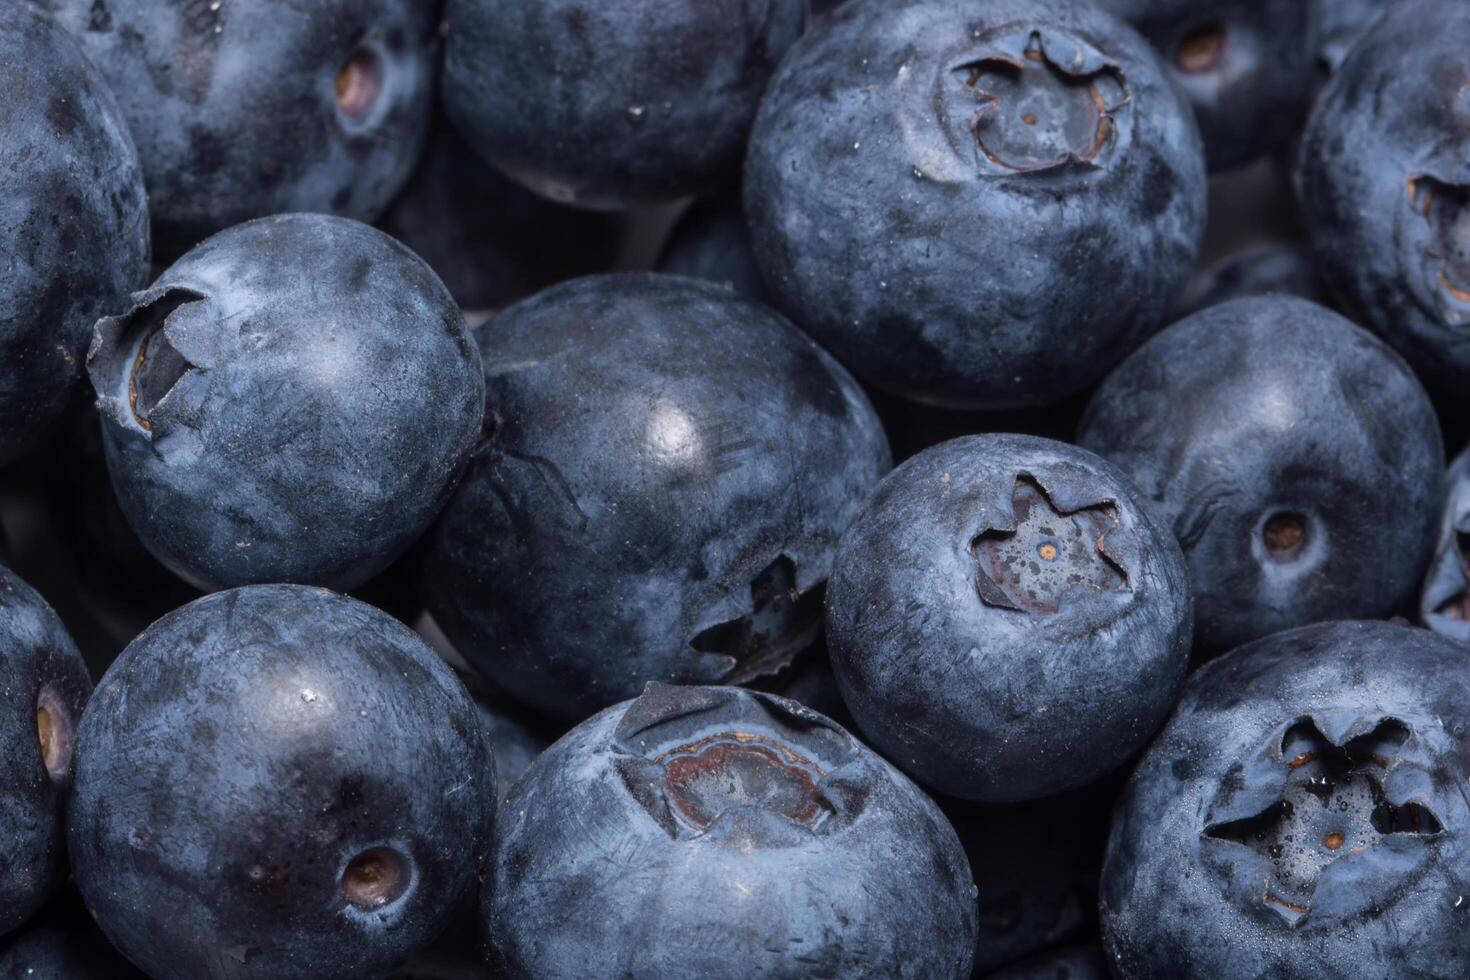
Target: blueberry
720,833
1302,815
73,221
292,401
610,104
1260,270
514,740
1296,457
489,240
1383,178
44,690
1341,24
62,943
1444,601
242,110
1074,963
1246,65
240,808
712,243
668,471
975,205
1005,620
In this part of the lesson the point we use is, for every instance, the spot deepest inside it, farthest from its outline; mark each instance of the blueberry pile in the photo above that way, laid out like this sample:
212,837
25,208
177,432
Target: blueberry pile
734,489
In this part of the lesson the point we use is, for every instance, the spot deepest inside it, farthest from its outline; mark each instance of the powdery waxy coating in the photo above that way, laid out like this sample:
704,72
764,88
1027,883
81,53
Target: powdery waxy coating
611,104
73,221
1444,600
291,402
1295,456
245,108
1247,66
1005,620
1383,174
975,205
237,761
669,469
1303,815
719,833
45,687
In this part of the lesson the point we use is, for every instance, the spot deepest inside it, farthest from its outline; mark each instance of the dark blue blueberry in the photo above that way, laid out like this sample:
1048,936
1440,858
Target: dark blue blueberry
975,205
610,104
1075,963
489,240
1303,815
721,833
245,109
1296,457
1341,24
669,469
291,402
1263,270
1444,602
1246,65
711,242
1005,620
62,943
278,782
43,688
73,221
1384,177
515,740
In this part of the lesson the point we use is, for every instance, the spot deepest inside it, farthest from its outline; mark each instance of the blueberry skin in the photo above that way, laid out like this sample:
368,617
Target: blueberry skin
1444,600
1005,620
1295,456
240,753
73,221
515,744
235,106
313,397
62,943
633,848
612,104
1383,174
669,471
879,218
1340,25
43,673
1265,270
1247,66
1373,853
711,242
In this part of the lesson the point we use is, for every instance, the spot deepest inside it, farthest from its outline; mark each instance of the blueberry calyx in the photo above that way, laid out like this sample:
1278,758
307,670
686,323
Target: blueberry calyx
1201,50
136,362
1443,237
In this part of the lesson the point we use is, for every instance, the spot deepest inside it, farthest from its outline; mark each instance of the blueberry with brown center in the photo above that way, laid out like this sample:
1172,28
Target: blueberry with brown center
41,699
1302,815
1020,187
718,833
278,782
1006,620
1296,457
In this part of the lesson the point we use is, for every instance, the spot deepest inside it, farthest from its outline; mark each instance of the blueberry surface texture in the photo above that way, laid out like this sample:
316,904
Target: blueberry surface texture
73,221
1383,173
668,470
44,691
711,242
720,833
1278,269
610,104
278,782
1444,602
975,205
290,402
1247,66
245,109
1340,25
1006,620
1302,815
1294,455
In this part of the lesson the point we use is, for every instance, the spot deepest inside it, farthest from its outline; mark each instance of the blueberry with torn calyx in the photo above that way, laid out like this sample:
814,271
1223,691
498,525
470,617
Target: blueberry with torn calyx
761,839
1021,186
245,109
1247,66
1294,455
1444,601
73,221
1302,815
1383,174
1006,619
278,782
667,470
43,688
290,402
